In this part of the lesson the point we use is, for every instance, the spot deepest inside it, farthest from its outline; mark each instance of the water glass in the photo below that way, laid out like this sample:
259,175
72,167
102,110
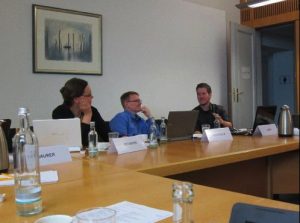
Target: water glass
95,215
112,135
204,127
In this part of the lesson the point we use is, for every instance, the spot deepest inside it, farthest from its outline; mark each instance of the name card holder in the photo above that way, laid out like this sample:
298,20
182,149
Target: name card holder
214,135
265,130
127,144
54,154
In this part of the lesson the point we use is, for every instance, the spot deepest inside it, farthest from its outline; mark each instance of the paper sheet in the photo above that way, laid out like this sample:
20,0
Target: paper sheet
128,212
46,177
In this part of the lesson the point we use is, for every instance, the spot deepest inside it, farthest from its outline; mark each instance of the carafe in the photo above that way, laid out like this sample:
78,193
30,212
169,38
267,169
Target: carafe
285,123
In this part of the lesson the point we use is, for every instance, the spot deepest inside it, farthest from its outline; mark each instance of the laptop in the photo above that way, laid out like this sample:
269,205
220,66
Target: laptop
66,132
248,213
181,124
264,115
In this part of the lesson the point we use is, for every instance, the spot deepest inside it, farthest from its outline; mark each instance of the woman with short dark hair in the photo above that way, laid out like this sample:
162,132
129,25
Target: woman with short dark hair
77,96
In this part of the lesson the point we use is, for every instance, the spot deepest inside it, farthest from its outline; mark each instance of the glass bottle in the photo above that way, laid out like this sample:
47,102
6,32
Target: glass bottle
93,140
27,174
183,196
163,131
188,197
177,202
153,135
217,123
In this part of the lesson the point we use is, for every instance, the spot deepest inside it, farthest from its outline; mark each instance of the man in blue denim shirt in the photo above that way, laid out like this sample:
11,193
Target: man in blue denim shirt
128,122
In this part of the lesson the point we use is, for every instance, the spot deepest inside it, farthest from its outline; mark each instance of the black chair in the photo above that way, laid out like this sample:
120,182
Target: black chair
7,131
295,118
242,212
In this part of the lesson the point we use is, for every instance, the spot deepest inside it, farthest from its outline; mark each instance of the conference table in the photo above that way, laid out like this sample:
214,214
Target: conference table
242,165
142,177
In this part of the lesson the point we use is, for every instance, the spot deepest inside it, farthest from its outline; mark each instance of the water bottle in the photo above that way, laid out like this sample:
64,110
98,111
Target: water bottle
217,123
177,202
188,197
153,135
93,140
27,174
183,196
163,131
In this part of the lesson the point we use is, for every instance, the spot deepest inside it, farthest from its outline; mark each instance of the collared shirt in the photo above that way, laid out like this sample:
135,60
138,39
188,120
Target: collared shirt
129,124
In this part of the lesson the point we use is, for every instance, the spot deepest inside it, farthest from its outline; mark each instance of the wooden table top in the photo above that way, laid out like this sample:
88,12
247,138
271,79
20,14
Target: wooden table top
87,183
184,156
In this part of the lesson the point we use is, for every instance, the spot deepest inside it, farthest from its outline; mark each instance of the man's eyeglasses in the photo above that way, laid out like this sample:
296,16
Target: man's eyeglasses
136,101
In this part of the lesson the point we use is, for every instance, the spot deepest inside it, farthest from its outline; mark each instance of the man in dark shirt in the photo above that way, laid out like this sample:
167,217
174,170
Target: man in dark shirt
208,112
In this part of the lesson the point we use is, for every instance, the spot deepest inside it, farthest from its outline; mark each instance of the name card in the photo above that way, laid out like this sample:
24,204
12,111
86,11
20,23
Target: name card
127,144
265,130
218,134
54,154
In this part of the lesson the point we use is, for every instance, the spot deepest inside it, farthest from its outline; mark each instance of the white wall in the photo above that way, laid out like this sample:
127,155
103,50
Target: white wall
232,13
160,48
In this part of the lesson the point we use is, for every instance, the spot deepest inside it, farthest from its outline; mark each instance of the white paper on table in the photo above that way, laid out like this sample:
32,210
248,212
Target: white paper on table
127,144
128,212
218,134
49,176
265,130
54,154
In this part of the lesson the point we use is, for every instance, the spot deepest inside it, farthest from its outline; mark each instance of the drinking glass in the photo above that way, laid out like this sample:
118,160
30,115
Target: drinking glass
204,127
95,215
112,135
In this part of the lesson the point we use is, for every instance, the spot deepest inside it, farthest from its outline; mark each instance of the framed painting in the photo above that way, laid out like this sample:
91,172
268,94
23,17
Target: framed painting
66,41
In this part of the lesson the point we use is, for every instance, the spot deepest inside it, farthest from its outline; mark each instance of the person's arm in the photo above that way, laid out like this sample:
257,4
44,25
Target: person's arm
222,118
225,123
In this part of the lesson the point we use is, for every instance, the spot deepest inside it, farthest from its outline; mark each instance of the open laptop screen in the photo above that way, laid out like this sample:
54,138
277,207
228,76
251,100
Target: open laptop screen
181,124
264,115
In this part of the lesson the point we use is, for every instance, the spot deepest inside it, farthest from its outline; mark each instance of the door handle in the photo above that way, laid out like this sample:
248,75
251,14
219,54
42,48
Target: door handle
237,94
233,94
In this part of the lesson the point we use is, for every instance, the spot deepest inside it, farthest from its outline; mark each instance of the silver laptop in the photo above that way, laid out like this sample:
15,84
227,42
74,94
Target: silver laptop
66,132
181,124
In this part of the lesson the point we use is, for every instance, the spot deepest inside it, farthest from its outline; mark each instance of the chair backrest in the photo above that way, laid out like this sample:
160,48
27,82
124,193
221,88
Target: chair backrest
242,212
295,118
5,124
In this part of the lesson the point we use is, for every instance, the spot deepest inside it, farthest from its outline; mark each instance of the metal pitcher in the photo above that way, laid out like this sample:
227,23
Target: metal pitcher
4,160
285,123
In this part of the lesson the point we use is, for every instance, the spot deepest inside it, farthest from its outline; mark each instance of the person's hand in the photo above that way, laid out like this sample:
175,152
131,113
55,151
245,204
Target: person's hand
146,111
86,110
218,117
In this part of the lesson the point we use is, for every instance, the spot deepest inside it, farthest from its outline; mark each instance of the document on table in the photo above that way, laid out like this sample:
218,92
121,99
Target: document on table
46,177
128,212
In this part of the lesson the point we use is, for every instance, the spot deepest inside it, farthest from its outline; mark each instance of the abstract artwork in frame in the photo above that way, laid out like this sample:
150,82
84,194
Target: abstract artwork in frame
66,41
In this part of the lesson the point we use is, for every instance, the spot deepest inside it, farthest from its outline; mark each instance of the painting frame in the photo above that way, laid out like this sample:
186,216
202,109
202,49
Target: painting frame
66,41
